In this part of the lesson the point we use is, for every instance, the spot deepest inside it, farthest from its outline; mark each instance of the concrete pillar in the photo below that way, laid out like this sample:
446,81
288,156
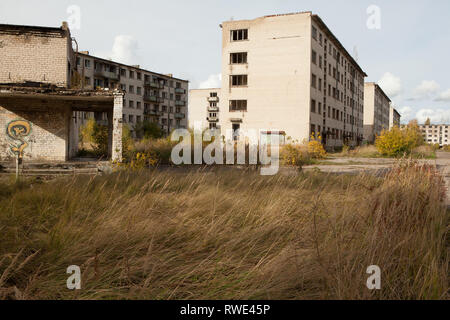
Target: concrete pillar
117,127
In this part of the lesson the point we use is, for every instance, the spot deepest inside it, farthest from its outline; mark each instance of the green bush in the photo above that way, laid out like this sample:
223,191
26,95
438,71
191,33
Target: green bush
148,130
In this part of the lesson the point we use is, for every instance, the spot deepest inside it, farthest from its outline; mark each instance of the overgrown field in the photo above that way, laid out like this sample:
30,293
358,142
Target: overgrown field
226,234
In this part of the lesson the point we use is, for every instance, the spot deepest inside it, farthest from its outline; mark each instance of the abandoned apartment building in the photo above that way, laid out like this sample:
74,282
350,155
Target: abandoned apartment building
48,89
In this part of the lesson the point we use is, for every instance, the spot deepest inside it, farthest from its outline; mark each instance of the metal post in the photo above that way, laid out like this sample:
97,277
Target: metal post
17,168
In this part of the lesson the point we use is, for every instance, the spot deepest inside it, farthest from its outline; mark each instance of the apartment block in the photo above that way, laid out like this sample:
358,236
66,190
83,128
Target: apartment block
377,106
31,54
436,134
207,114
149,96
394,117
288,74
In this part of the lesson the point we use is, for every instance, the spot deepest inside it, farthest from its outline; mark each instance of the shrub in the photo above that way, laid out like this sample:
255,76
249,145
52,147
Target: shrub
397,142
148,130
315,148
293,155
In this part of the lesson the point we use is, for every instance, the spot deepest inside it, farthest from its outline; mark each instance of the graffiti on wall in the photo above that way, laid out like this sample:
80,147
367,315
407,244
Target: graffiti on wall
18,130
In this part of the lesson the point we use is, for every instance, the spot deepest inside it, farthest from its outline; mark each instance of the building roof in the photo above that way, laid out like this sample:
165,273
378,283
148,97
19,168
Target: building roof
35,30
319,21
322,24
129,66
377,87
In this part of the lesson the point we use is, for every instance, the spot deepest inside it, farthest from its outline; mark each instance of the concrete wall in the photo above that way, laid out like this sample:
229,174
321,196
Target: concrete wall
48,136
198,106
377,107
35,56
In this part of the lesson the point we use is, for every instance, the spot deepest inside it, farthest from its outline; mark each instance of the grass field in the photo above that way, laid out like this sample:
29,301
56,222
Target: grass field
225,234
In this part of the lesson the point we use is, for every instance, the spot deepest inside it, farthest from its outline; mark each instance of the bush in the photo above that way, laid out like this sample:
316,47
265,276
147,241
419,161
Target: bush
315,148
293,155
148,130
397,142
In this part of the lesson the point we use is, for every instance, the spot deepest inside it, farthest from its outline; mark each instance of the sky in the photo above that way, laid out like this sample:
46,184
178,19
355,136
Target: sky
402,45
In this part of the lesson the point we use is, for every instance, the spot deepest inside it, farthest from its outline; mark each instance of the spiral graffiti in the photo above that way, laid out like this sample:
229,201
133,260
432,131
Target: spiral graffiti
18,130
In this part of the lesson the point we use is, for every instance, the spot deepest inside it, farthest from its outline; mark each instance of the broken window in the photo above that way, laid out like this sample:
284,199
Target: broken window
239,35
239,80
238,58
238,105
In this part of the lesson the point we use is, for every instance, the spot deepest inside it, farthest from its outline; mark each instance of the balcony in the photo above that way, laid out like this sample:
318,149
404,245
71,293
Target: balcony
213,109
154,84
106,74
180,116
180,103
213,99
180,90
153,98
212,119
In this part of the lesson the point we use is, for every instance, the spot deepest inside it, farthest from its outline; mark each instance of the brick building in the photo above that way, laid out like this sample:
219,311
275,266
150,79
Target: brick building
37,103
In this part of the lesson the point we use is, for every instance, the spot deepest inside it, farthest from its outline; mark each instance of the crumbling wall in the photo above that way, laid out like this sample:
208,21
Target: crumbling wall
47,139
36,57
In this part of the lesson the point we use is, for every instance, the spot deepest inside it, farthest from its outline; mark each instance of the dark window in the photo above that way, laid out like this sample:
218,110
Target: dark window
238,35
238,58
238,105
239,80
313,106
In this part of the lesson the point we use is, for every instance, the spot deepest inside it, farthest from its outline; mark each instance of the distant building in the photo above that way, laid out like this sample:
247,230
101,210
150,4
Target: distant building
288,73
394,117
436,134
377,108
207,114
149,96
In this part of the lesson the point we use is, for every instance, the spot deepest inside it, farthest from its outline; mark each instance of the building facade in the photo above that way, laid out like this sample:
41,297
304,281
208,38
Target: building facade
207,111
377,106
436,134
288,74
394,117
149,96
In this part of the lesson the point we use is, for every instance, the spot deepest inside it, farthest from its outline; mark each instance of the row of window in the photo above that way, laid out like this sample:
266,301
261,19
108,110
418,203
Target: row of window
131,74
332,133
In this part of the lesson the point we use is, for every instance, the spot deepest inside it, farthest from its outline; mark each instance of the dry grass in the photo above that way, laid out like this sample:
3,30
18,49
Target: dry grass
226,234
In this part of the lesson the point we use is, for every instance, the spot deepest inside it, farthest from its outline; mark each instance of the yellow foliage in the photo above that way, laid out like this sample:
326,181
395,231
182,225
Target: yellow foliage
315,147
396,142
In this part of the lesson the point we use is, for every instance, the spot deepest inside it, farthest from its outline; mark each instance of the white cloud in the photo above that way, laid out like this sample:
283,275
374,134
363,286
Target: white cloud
435,115
214,81
425,89
444,96
125,50
390,84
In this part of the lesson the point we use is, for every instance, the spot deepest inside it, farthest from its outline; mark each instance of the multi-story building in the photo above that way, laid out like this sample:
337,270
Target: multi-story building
377,106
288,74
207,114
436,134
394,117
148,95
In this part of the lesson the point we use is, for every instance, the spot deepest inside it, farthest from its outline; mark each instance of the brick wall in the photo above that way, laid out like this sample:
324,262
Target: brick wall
37,57
48,138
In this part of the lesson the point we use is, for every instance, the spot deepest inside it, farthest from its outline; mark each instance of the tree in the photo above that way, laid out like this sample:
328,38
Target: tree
428,122
148,130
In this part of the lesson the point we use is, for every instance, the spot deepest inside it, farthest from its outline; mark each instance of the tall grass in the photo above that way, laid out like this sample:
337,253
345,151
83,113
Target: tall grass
226,234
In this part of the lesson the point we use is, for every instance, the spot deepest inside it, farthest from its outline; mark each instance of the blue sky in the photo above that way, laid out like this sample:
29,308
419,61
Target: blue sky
408,55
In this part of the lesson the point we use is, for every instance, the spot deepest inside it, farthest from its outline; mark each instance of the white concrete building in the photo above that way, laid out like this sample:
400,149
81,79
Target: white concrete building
377,106
436,134
394,117
288,73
